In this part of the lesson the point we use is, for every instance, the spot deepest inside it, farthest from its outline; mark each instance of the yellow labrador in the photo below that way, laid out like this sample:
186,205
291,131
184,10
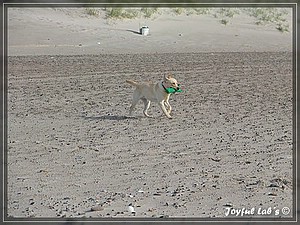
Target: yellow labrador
149,92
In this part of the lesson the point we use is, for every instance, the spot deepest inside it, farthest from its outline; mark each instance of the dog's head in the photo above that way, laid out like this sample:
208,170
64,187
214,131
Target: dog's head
169,81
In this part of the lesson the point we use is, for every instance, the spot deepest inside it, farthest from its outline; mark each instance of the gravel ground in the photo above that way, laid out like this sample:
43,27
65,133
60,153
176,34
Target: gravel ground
73,152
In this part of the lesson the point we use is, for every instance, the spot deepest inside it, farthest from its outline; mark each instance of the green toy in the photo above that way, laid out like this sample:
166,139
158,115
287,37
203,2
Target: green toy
172,90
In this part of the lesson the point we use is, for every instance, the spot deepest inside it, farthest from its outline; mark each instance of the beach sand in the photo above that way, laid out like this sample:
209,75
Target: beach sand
72,146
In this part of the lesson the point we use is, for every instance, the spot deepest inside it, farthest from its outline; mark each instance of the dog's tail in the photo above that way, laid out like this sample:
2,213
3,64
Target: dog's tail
132,82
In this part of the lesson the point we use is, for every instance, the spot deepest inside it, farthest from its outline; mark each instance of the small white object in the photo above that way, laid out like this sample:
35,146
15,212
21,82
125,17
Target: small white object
144,30
131,209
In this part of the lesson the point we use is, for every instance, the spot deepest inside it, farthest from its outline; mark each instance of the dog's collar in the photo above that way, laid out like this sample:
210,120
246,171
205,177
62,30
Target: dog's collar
162,83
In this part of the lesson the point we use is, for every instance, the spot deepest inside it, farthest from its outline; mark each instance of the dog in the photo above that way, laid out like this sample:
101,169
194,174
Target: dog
154,92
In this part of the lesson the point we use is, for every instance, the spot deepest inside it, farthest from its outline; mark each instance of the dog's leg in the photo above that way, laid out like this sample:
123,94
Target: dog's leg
162,106
135,99
169,108
146,106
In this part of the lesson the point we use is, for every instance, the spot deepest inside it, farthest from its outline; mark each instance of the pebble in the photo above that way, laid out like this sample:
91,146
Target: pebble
163,216
215,160
97,208
131,209
91,199
273,185
228,205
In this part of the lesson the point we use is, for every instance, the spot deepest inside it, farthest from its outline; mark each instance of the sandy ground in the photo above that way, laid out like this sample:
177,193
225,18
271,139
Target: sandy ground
71,31
71,146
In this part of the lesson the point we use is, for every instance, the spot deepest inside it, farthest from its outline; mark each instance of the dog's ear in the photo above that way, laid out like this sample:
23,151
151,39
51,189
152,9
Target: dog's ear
168,77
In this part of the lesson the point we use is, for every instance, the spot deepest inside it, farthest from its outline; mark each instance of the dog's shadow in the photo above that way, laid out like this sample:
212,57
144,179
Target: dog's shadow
110,117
